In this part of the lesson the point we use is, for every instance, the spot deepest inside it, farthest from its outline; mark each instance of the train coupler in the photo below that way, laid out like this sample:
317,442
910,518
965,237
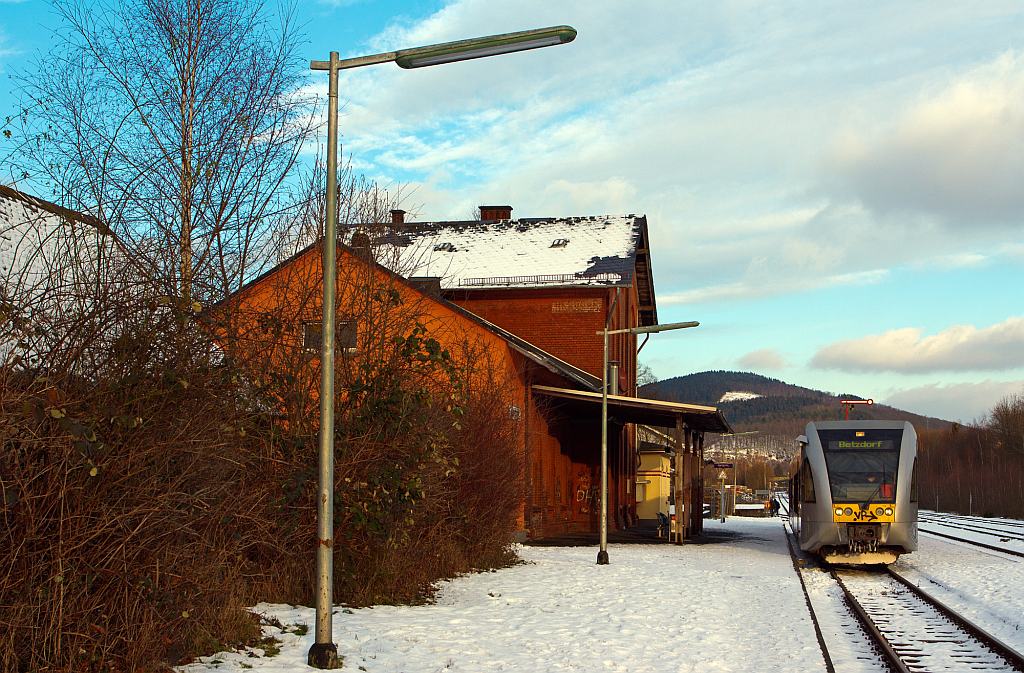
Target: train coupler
863,537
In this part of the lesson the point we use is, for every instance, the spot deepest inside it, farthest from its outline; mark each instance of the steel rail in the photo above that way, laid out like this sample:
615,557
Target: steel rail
892,658
966,518
981,530
1001,550
793,553
1012,656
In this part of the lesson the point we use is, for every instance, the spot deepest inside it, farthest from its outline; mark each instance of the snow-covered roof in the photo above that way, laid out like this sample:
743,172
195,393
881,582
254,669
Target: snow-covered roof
36,237
47,253
527,252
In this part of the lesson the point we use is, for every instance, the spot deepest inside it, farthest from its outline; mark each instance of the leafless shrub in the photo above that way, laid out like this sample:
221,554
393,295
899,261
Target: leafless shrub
157,465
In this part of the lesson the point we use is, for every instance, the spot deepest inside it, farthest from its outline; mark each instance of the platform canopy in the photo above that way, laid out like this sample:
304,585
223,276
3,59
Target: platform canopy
642,410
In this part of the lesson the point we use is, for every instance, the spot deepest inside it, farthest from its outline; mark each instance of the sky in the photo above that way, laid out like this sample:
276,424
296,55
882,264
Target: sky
834,190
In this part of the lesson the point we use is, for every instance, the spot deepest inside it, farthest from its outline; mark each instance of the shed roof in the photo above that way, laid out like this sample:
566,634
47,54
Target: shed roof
646,411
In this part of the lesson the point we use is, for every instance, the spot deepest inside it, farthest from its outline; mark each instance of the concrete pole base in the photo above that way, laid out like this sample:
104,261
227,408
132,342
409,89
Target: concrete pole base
602,557
324,656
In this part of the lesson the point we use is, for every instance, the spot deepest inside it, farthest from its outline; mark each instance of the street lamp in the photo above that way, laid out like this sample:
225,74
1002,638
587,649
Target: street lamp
324,652
602,554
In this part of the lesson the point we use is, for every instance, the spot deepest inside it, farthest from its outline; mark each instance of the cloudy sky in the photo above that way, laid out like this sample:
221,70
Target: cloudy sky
834,190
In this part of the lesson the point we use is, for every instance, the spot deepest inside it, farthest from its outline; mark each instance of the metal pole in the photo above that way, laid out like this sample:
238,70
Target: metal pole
721,507
324,652
602,554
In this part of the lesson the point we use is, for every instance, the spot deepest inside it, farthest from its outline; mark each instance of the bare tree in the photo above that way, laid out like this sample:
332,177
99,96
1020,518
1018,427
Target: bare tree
176,123
644,375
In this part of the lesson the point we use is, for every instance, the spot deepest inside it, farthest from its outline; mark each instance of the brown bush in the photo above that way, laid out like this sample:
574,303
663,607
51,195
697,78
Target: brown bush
146,503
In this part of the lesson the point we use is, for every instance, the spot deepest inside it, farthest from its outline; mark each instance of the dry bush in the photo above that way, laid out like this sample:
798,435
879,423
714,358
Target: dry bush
427,463
132,507
153,488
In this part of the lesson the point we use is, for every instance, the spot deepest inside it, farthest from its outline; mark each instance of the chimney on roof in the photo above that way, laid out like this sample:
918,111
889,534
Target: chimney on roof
429,285
495,213
397,216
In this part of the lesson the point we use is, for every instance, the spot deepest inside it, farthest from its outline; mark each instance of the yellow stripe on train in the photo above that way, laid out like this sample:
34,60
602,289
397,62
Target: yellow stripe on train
854,513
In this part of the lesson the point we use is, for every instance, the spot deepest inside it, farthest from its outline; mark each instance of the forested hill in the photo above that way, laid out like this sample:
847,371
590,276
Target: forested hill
754,402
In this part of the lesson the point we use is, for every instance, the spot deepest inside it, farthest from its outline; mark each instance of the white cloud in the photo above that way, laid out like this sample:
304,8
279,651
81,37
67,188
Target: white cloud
906,350
762,359
957,260
760,286
710,118
957,153
961,402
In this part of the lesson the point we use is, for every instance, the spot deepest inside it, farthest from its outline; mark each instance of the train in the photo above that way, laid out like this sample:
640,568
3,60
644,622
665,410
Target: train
853,499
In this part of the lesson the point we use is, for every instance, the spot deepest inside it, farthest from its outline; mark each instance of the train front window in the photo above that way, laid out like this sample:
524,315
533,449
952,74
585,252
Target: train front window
862,464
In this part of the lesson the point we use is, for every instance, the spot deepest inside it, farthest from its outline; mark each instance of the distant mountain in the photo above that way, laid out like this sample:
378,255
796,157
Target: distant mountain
770,406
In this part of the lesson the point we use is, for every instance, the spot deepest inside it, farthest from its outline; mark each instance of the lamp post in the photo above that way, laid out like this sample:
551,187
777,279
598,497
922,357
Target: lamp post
324,652
602,554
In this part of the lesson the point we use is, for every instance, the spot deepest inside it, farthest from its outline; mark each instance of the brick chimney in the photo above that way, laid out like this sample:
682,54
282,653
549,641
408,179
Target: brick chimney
397,216
495,213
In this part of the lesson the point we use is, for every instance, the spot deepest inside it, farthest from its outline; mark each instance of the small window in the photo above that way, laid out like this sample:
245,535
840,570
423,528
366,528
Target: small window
807,482
913,482
560,243
345,336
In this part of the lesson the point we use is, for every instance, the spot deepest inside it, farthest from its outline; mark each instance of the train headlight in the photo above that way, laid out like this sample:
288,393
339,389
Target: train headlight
888,511
839,511
848,511
879,511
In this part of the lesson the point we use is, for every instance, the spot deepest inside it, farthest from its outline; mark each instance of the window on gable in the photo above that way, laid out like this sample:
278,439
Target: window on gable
560,243
345,336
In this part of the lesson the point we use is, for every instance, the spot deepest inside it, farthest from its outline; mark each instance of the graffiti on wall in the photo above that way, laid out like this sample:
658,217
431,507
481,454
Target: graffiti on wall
586,493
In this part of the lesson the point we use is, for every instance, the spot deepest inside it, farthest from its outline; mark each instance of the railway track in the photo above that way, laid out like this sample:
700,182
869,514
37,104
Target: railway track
915,632
975,527
875,620
983,545
966,518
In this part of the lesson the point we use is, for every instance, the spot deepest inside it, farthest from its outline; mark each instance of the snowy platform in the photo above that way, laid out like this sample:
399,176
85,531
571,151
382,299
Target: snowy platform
731,606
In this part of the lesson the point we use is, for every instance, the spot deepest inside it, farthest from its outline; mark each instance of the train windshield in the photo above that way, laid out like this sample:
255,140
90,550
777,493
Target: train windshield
862,464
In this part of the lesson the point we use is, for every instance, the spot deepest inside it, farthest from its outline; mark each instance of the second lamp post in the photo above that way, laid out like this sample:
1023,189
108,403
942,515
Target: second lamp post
602,554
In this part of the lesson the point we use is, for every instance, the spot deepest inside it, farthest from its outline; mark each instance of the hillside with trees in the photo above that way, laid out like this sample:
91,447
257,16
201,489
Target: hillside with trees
975,468
775,408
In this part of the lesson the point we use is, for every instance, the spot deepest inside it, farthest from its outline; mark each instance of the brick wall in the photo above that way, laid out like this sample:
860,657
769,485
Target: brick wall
564,322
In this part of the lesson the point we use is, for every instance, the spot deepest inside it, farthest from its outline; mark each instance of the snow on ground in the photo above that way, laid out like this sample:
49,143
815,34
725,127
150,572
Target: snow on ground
738,396
985,587
995,532
734,605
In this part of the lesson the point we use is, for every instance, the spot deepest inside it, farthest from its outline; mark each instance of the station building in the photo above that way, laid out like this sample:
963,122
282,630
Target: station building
534,294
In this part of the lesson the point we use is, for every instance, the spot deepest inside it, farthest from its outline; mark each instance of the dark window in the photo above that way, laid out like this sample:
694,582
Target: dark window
862,464
806,482
345,336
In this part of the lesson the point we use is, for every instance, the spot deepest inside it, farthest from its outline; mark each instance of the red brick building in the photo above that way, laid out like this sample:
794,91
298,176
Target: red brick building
556,283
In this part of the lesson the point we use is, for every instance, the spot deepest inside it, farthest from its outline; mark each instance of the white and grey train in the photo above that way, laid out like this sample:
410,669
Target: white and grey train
854,497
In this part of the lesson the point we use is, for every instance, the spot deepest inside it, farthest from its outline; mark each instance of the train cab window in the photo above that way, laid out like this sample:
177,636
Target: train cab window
806,482
862,467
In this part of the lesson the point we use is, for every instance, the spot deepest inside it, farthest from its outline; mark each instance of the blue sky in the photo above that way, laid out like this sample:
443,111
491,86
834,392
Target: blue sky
834,190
